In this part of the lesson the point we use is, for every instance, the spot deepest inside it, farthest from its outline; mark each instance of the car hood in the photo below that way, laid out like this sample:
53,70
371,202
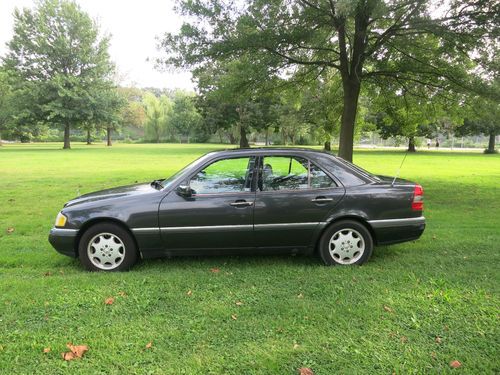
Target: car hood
117,192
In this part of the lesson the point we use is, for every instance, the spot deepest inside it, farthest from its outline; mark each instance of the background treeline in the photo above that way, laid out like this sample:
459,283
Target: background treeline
315,73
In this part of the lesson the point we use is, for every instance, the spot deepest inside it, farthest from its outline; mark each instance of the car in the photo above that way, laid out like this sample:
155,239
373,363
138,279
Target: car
244,201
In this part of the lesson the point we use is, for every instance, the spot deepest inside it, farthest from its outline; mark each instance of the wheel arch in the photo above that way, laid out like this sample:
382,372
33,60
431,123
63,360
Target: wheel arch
361,220
98,220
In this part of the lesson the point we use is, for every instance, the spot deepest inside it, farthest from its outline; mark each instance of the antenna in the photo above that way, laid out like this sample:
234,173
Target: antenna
399,170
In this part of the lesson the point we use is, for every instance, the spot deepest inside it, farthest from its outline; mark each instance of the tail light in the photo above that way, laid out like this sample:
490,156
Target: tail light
418,199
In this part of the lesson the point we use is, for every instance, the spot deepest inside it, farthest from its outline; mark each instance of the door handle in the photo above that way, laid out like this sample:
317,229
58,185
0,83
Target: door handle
321,200
241,204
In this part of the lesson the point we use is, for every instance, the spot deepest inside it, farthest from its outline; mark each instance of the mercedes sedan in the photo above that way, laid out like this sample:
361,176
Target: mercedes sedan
243,201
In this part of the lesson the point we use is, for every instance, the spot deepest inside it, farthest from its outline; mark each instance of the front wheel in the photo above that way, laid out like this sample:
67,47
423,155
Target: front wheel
107,247
346,242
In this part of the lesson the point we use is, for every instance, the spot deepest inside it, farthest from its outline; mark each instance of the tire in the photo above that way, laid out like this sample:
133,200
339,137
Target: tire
113,247
346,242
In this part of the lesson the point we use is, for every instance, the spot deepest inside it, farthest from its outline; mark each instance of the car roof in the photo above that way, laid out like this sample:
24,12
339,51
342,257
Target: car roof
272,150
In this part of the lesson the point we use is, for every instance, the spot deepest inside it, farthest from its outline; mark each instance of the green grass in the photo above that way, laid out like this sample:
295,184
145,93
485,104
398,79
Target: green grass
294,313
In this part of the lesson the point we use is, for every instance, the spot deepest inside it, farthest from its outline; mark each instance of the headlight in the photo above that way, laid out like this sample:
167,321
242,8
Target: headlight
61,220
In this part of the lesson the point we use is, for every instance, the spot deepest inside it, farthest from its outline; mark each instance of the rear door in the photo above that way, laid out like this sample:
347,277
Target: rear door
293,198
218,215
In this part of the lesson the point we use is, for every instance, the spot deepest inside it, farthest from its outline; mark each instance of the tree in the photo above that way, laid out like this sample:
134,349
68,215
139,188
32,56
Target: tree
363,40
184,118
60,63
484,117
157,115
230,84
5,102
107,111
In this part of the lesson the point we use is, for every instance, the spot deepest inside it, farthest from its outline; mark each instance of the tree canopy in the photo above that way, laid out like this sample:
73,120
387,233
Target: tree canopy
362,40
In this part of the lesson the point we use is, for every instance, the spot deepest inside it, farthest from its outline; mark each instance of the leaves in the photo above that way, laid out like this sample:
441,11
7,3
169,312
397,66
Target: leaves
305,371
46,350
238,303
234,317
109,301
10,230
76,351
214,270
388,309
189,293
438,340
455,364
149,345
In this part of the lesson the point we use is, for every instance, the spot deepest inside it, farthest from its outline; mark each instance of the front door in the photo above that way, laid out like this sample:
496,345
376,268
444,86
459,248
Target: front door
219,213
293,198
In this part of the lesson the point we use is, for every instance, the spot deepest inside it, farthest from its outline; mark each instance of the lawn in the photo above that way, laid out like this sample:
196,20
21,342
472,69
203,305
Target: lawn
414,308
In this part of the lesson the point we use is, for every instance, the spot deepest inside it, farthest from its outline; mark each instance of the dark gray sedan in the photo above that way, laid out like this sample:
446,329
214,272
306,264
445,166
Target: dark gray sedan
243,201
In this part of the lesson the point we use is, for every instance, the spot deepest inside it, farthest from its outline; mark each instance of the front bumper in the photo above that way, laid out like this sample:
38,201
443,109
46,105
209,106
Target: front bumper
397,230
64,241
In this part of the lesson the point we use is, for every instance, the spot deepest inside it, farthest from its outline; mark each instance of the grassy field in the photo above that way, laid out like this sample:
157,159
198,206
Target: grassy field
414,308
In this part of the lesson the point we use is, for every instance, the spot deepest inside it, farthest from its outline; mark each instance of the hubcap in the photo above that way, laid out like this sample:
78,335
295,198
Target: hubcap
347,246
106,251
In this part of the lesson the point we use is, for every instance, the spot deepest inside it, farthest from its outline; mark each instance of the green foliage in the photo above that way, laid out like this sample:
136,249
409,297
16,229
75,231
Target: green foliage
60,66
362,41
185,119
157,111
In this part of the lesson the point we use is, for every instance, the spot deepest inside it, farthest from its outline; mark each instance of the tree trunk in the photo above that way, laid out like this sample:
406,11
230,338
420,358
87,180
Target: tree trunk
67,144
243,138
267,137
411,144
346,139
328,146
108,136
232,138
491,144
89,138
0,139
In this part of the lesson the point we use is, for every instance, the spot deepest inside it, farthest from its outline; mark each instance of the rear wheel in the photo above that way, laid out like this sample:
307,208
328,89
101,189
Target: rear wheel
346,242
107,247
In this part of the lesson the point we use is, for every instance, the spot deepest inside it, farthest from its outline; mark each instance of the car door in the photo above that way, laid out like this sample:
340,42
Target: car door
217,215
293,198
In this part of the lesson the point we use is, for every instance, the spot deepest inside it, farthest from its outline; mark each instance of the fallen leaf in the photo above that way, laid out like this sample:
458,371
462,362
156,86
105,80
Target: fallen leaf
68,356
403,339
189,293
305,371
300,295
214,270
109,301
296,346
238,303
48,273
46,350
78,350
234,317
455,364
122,294
10,230
438,340
388,309
433,355
149,345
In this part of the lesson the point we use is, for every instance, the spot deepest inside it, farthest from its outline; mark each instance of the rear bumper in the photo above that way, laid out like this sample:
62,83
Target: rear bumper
397,230
64,241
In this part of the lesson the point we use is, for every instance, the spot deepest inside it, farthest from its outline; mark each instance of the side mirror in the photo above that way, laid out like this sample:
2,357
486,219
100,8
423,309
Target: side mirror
184,191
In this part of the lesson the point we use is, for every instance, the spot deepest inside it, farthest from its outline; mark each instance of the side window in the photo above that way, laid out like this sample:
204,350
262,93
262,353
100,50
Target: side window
283,173
224,176
319,179
291,173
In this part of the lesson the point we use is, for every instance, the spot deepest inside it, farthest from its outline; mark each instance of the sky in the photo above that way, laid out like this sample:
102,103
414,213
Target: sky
133,25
